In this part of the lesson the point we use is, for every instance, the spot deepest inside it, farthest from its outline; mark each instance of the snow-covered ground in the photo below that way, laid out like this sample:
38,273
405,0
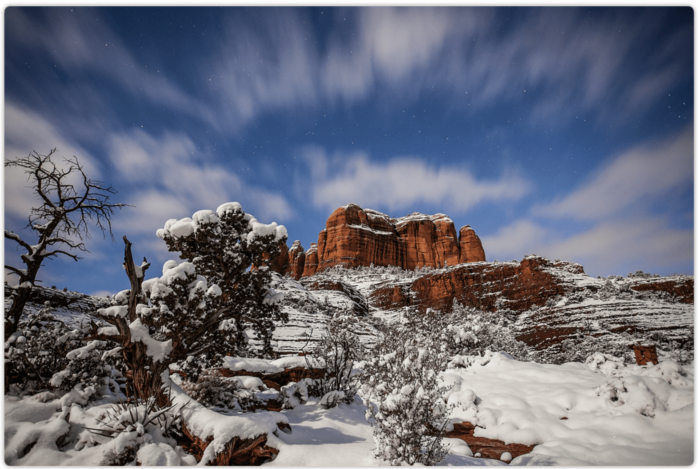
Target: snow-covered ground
615,415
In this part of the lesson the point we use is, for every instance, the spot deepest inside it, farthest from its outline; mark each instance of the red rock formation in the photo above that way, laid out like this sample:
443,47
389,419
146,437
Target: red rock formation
297,258
355,237
427,240
488,448
311,261
446,245
470,249
683,289
645,354
360,237
281,264
518,286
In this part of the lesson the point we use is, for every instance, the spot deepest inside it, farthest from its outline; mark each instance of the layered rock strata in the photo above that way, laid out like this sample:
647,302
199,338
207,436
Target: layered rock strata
554,300
487,286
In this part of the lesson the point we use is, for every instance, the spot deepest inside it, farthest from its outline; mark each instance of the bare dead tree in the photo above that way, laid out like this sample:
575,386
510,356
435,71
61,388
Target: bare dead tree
60,222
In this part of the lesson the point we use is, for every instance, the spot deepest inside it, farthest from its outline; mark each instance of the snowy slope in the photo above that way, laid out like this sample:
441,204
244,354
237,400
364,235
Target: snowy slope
68,306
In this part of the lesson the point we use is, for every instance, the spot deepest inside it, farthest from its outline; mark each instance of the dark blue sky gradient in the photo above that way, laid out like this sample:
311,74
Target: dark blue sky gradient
566,132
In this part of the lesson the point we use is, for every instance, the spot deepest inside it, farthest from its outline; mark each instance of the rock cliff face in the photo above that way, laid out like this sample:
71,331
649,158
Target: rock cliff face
487,286
360,237
553,300
297,260
310,261
470,249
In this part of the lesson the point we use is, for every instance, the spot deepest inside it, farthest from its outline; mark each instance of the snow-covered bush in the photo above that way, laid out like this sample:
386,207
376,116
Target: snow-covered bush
222,246
139,428
480,331
402,391
335,355
90,365
214,390
45,354
294,394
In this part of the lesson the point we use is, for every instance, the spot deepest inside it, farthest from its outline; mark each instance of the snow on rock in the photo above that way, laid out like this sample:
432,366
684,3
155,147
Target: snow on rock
157,454
272,296
250,382
206,424
637,418
290,362
258,365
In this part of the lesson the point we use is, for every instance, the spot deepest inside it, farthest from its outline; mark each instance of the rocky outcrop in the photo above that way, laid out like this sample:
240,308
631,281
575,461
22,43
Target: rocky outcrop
311,261
683,288
487,286
359,303
361,237
297,258
355,237
486,447
278,379
470,248
644,354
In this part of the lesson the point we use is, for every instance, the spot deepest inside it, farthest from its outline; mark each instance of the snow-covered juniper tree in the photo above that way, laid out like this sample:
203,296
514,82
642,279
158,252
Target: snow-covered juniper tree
197,314
223,245
64,213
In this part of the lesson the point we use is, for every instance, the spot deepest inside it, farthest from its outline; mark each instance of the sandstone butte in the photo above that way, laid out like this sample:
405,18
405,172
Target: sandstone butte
361,237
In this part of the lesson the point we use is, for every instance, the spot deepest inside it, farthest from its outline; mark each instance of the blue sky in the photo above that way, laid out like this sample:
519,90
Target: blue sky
566,132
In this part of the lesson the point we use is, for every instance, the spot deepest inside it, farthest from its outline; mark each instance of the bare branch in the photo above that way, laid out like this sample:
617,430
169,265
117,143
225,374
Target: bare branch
58,251
19,272
15,237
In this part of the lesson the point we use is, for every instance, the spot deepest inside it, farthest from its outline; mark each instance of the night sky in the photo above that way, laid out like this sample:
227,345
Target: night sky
566,132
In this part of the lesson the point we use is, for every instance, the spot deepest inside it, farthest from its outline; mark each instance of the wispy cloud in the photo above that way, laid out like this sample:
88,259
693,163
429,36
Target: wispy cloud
278,61
27,131
589,58
403,182
82,43
263,66
170,178
630,181
615,208
610,247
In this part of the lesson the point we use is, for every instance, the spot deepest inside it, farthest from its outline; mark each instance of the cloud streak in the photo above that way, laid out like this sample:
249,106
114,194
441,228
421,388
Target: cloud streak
403,182
82,43
170,178
635,178
266,63
615,210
